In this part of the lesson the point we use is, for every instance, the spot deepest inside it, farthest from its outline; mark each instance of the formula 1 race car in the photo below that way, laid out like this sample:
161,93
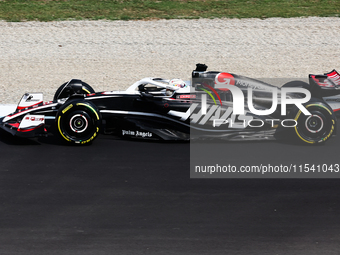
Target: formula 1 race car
212,104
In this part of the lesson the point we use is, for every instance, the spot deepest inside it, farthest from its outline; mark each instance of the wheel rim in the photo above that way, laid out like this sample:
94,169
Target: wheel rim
313,127
314,124
78,123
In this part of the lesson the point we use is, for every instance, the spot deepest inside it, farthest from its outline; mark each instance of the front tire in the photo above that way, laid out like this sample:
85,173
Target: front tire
78,122
65,92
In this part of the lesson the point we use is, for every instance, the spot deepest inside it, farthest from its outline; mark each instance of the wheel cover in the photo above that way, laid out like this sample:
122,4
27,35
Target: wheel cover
314,124
78,123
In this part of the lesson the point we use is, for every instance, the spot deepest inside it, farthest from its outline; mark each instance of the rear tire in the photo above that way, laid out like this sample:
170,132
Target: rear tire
316,128
78,122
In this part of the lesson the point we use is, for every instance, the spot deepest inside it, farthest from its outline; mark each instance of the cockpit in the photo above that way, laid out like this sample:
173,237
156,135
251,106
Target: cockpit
158,87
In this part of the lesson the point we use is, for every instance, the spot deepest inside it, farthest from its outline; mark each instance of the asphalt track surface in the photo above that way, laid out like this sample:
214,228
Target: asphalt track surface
132,197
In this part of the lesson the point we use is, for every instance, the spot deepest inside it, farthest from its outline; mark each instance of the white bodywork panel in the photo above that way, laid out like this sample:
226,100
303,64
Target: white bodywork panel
32,121
30,99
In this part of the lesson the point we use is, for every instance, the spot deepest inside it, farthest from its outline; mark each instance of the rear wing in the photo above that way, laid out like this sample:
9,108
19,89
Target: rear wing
323,85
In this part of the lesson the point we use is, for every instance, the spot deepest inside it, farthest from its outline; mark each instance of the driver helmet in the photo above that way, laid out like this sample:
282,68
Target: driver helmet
177,83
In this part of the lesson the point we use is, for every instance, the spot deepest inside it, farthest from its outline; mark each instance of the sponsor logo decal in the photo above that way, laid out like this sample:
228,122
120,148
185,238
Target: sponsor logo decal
186,96
136,133
34,118
31,99
67,108
223,79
